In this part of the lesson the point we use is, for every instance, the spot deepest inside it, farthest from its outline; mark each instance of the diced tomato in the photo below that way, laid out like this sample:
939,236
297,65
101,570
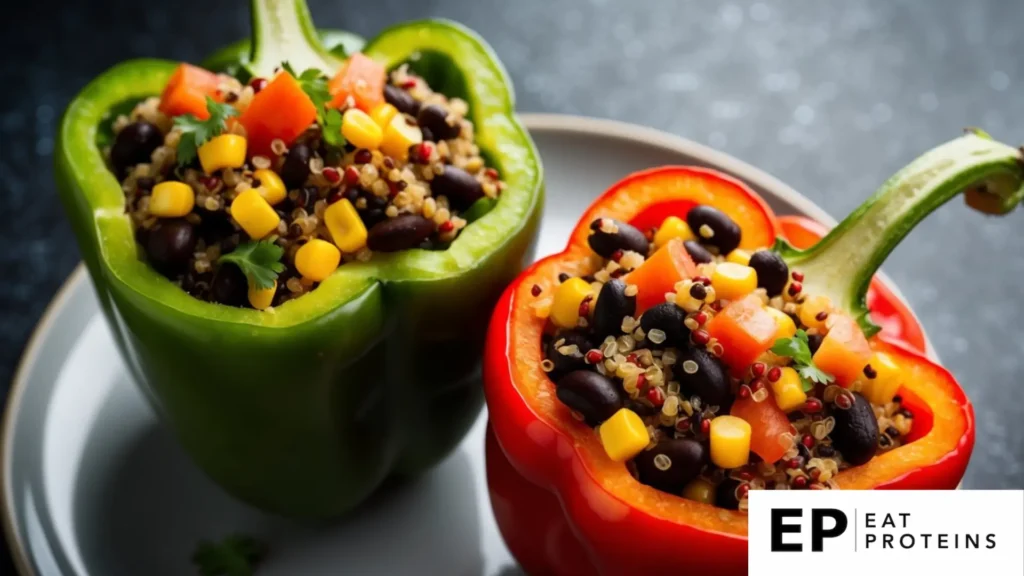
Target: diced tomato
187,89
363,79
768,423
844,351
745,330
660,273
280,110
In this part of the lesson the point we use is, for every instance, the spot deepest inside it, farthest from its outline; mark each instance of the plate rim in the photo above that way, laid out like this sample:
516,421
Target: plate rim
578,124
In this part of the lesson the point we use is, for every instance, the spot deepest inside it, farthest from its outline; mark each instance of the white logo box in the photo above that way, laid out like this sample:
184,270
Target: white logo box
924,532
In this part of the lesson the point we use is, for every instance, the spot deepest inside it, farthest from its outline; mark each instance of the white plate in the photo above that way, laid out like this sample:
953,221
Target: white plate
93,485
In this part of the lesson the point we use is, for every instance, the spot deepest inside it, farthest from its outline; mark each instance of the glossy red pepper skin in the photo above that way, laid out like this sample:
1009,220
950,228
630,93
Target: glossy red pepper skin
888,311
565,509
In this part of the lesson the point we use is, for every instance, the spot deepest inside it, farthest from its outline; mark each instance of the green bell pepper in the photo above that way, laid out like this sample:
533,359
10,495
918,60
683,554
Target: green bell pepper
305,410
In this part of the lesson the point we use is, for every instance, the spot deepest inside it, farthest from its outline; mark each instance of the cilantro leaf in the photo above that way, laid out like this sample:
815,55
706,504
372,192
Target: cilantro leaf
195,132
259,261
235,555
332,129
796,347
314,84
811,375
799,350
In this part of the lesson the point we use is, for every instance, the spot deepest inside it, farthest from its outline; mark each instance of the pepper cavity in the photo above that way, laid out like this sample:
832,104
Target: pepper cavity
721,367
339,175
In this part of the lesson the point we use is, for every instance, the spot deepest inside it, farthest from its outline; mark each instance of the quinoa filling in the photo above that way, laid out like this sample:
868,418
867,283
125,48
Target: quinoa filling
237,225
730,378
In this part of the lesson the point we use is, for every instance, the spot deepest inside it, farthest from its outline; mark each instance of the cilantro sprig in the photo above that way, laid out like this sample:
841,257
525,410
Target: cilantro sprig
314,84
799,350
235,555
195,132
259,261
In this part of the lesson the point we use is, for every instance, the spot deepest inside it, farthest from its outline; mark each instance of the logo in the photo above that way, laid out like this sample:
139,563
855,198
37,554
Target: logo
932,532
818,530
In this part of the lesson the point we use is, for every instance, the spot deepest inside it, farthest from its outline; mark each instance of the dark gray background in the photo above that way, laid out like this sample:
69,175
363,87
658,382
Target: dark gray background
832,97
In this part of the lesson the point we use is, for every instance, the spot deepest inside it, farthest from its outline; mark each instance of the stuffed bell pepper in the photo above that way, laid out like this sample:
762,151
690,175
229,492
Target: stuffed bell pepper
680,353
297,249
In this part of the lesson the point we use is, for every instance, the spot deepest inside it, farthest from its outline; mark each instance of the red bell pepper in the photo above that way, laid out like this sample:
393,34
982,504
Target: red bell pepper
565,508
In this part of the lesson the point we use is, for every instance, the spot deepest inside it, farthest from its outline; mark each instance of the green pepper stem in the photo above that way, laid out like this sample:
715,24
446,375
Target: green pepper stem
842,263
282,30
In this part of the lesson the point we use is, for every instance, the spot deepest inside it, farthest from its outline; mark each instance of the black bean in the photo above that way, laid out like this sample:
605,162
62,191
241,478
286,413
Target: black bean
134,144
772,271
686,458
229,286
372,216
461,188
428,136
710,381
698,253
625,237
892,432
725,494
856,431
825,451
594,396
668,318
804,451
642,410
145,184
612,306
726,234
169,246
401,233
295,168
698,291
433,118
565,363
814,342
401,100
214,226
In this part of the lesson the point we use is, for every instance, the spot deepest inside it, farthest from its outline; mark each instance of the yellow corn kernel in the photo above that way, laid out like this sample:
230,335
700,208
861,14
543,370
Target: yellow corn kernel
253,214
789,390
171,200
673,227
733,281
346,227
738,256
730,442
261,298
810,309
399,136
565,305
784,325
700,490
881,389
383,114
271,187
317,259
224,151
360,130
623,435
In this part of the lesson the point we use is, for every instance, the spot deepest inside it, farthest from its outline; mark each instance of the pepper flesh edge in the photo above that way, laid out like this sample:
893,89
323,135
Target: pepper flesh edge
619,521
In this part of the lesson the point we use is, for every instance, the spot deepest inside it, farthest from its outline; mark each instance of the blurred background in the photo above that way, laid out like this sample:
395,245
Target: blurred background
831,97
